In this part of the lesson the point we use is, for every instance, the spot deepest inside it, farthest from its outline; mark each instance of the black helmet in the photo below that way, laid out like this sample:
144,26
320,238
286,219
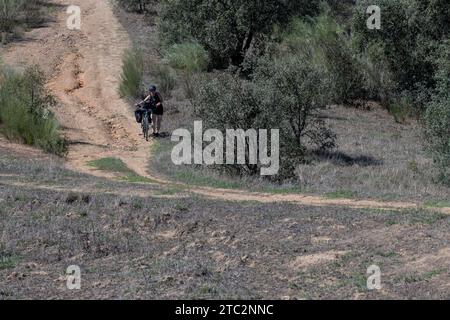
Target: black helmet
152,88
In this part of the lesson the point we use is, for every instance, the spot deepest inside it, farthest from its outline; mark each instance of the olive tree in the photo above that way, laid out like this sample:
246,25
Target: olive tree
285,94
226,29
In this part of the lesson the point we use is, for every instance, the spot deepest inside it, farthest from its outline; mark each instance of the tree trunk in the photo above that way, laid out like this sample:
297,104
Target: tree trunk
248,43
241,49
238,55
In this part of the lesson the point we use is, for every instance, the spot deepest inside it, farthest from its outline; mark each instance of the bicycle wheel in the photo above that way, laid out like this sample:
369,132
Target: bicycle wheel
145,127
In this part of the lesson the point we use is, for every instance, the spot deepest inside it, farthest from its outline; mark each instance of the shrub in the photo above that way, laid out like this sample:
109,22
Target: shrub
189,82
24,110
226,29
294,89
227,102
165,79
190,58
34,13
378,78
394,37
410,34
400,109
285,94
10,11
437,116
341,10
135,5
132,73
16,15
331,46
442,64
437,120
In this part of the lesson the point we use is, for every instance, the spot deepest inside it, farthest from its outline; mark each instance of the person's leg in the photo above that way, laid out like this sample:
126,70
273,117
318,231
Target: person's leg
154,123
158,128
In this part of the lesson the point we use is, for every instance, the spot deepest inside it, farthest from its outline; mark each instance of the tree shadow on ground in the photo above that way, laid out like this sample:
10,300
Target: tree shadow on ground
342,159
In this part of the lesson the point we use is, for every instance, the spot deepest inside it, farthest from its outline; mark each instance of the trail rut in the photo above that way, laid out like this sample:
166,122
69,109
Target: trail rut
98,122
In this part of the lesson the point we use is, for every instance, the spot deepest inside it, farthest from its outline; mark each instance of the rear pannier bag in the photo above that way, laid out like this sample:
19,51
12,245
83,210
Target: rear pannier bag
138,115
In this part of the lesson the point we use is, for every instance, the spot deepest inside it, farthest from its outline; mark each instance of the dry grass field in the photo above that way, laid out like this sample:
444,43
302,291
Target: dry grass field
140,227
142,241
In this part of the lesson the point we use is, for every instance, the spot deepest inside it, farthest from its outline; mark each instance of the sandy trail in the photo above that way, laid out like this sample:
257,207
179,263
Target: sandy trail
98,123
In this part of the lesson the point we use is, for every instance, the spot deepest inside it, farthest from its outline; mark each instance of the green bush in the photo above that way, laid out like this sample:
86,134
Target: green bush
15,15
190,58
10,11
331,47
409,38
227,102
132,74
341,10
293,90
165,79
24,110
442,64
35,13
285,94
395,37
437,115
400,109
437,118
189,82
379,81
226,29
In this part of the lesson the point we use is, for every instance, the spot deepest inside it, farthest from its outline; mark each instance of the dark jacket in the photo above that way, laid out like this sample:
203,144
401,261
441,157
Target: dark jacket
158,110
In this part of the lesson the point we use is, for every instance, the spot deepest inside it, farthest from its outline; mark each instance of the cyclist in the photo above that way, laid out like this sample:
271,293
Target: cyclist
154,103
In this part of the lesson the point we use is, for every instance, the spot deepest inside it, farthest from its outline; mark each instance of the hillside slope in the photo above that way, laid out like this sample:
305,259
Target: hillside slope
84,68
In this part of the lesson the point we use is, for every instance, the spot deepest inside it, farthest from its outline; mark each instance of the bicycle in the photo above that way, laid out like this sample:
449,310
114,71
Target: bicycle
143,115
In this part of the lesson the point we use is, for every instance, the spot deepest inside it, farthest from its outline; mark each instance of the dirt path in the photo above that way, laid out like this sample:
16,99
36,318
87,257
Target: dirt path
98,123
